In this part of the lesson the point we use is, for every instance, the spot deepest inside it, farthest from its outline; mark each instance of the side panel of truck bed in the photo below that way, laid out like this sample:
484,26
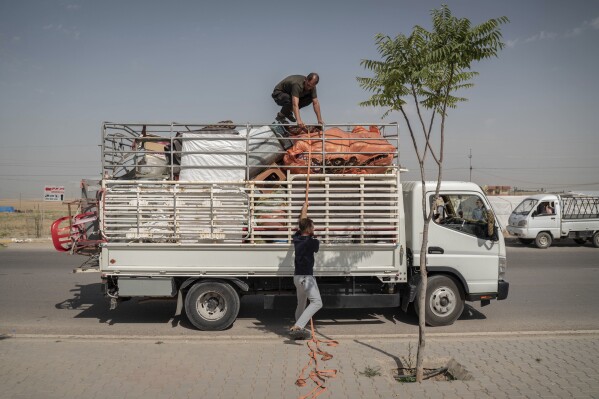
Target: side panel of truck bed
383,260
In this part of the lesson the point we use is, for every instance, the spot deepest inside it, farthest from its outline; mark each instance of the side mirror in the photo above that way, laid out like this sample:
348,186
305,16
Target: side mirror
495,237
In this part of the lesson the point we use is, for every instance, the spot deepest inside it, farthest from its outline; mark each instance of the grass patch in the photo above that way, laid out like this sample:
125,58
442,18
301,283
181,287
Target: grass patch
371,371
28,224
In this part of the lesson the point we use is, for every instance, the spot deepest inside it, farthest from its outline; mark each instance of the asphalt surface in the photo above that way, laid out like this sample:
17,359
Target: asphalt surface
550,290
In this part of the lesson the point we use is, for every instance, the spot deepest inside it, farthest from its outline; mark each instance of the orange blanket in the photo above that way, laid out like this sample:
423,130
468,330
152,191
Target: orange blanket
361,151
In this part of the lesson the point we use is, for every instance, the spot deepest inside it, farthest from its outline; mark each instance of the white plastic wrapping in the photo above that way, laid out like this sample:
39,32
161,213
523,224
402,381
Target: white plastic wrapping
224,154
223,157
264,149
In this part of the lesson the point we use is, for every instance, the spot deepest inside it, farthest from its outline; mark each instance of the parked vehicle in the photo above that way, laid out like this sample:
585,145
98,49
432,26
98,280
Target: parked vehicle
545,218
207,243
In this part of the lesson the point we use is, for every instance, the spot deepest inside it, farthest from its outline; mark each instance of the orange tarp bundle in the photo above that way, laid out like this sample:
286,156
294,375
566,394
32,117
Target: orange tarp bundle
361,151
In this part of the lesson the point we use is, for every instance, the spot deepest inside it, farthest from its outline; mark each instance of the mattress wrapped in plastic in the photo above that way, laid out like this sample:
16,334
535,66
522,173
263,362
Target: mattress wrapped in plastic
360,151
213,155
220,154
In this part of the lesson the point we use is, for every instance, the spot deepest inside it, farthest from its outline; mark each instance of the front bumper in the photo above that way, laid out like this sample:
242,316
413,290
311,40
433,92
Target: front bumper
516,231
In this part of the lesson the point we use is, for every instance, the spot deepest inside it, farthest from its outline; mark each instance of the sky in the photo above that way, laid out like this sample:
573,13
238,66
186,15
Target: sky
531,120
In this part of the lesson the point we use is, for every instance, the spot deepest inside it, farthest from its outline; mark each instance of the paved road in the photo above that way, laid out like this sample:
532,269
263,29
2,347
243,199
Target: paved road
550,290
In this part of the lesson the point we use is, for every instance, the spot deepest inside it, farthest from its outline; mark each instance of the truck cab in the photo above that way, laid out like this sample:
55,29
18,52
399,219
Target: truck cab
465,248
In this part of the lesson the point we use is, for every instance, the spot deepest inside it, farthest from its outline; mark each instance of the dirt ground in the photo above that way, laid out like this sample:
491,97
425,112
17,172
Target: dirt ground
33,220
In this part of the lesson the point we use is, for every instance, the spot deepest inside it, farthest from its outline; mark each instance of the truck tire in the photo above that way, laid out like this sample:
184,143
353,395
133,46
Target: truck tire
543,240
526,241
212,305
580,241
596,239
444,301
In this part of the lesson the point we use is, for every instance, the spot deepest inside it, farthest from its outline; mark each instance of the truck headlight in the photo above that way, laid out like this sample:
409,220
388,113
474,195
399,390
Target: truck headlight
522,223
502,267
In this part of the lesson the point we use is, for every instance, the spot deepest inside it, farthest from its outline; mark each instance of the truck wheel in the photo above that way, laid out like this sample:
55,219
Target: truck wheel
526,241
543,240
444,302
212,305
596,239
580,241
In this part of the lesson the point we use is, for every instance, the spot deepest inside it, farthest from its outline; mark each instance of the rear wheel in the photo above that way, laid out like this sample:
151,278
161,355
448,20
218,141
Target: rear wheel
526,241
596,239
580,241
543,240
212,305
444,301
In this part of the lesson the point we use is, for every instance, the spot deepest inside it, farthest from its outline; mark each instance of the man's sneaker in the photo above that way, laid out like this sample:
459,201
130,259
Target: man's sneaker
281,118
290,117
300,334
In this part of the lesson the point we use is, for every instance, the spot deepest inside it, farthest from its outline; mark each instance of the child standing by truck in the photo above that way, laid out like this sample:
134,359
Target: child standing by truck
306,245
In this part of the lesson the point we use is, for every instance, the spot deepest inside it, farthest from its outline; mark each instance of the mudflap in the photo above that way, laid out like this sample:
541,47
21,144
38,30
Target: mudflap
409,294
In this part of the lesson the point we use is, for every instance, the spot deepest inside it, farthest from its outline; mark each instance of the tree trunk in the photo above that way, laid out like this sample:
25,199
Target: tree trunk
422,305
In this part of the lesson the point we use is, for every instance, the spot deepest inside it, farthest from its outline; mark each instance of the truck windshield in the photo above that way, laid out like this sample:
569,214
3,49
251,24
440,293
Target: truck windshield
525,207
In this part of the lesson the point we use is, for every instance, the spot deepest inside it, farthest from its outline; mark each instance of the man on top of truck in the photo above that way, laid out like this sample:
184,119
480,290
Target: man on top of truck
295,92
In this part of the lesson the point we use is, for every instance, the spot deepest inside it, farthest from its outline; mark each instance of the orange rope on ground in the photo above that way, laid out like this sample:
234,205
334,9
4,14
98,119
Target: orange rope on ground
316,375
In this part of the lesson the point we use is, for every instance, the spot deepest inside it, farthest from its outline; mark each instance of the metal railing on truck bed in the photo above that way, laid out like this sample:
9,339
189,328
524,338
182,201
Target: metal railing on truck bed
206,184
580,207
345,209
137,151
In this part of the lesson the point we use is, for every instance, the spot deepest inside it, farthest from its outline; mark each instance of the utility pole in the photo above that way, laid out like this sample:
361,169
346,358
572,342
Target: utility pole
470,156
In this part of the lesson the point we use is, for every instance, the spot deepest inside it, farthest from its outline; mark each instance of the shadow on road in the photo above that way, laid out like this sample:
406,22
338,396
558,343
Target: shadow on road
278,321
470,313
90,302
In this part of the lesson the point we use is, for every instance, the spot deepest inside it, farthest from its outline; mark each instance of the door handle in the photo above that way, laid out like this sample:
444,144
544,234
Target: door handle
436,250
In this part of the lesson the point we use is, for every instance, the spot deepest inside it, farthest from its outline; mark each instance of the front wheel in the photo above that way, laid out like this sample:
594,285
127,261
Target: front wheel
212,305
596,239
543,240
444,302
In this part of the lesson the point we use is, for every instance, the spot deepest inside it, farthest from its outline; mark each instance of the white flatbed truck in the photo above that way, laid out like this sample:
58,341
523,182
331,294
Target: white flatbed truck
569,216
207,243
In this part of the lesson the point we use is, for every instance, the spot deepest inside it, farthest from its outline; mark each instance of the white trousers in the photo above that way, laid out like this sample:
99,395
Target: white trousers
307,289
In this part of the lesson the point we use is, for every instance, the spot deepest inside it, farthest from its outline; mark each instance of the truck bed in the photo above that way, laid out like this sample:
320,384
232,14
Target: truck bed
225,228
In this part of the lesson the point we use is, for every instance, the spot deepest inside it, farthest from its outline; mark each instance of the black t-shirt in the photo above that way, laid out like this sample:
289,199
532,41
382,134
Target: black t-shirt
294,86
305,248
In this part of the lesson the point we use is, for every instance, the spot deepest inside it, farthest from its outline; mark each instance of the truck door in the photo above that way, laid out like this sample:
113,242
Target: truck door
545,217
459,239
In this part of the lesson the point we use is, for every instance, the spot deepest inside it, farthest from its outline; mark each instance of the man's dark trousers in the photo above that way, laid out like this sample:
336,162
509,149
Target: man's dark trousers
284,100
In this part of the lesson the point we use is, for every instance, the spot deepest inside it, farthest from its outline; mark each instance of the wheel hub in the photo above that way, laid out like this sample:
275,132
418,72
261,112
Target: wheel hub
211,306
443,301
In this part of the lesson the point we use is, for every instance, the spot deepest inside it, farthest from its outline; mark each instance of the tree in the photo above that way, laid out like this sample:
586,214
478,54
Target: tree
427,69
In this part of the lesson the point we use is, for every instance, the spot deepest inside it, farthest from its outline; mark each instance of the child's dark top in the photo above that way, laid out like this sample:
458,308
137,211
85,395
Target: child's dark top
305,248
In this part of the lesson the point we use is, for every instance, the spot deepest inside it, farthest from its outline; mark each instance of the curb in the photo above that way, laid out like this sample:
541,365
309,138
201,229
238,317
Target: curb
269,337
